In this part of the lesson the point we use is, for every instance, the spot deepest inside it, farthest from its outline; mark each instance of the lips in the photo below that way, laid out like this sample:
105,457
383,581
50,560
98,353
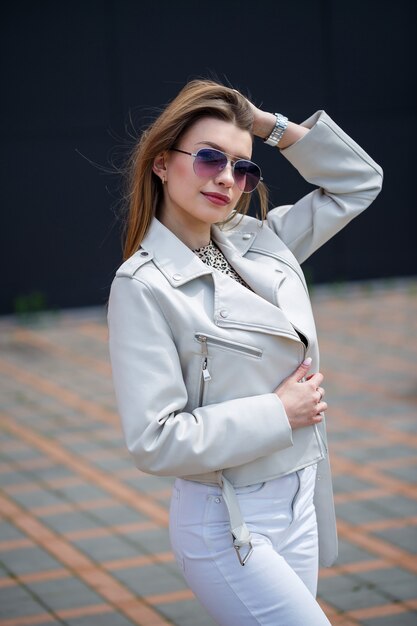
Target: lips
216,198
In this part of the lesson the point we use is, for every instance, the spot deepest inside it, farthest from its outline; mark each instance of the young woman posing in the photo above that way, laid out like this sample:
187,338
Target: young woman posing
214,349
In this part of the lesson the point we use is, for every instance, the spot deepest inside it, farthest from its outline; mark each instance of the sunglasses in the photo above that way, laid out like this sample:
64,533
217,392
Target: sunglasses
209,162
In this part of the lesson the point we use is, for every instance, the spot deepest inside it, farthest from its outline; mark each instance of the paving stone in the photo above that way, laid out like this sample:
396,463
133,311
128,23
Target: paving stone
360,512
346,484
406,473
104,619
71,521
51,473
146,483
148,541
17,602
36,498
396,583
81,493
64,593
405,538
150,579
378,453
350,553
12,478
25,560
119,514
348,594
186,613
8,532
107,548
402,619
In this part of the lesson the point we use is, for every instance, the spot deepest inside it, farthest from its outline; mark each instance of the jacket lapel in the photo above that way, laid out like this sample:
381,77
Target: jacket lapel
235,305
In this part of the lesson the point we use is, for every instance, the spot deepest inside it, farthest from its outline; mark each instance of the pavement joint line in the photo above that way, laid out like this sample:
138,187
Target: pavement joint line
91,573
384,524
354,568
66,507
394,608
355,496
35,577
352,353
335,616
52,484
85,611
372,475
33,338
139,561
394,463
372,425
143,502
123,529
358,443
30,464
28,620
15,544
173,596
355,383
364,539
390,339
94,329
64,395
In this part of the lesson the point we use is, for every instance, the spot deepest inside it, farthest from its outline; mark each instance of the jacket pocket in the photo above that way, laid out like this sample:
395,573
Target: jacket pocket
209,340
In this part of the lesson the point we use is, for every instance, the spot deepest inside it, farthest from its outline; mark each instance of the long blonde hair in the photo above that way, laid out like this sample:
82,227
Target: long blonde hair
199,98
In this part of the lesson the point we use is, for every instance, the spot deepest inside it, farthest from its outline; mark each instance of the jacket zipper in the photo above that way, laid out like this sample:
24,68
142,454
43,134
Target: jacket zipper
205,340
205,374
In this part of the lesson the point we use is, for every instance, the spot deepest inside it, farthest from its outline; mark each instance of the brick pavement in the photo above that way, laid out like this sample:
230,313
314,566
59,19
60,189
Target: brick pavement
83,534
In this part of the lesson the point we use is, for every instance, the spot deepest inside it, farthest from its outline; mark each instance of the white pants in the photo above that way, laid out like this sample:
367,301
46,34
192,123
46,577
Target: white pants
278,584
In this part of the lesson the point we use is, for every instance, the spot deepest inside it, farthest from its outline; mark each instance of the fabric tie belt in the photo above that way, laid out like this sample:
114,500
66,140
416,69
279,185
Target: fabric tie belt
242,539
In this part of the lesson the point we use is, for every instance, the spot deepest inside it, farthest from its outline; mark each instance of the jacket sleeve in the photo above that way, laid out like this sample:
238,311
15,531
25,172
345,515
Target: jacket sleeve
348,180
151,395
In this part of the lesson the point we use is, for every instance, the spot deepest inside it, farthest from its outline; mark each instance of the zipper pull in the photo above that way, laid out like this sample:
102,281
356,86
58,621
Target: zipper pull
203,341
206,373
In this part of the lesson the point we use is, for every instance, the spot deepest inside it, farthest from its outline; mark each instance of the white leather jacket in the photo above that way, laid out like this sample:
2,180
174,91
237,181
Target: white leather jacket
196,355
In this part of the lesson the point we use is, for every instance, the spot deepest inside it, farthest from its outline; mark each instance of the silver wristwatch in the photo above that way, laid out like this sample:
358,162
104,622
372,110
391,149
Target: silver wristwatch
279,129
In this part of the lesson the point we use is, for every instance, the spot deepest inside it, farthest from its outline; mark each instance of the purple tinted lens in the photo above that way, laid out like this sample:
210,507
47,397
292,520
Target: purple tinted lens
247,175
209,163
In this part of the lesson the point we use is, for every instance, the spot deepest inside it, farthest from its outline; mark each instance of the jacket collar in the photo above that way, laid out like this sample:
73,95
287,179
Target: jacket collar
235,306
173,258
178,263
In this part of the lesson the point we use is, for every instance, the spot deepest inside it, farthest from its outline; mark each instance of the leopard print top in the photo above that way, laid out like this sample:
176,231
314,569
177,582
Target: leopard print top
212,256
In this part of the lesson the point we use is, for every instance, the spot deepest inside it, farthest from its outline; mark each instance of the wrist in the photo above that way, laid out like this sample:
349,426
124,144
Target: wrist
263,124
280,126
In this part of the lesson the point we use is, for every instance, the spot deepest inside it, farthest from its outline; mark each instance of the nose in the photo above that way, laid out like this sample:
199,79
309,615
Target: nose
225,177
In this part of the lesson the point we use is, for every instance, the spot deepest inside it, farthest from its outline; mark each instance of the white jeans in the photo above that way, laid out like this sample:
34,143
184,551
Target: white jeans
278,584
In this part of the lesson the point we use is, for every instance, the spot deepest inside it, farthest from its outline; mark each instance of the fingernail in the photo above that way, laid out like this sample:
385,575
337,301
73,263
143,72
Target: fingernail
307,361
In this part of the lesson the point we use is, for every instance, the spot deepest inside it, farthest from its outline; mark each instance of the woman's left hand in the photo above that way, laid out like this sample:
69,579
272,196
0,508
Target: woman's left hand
264,122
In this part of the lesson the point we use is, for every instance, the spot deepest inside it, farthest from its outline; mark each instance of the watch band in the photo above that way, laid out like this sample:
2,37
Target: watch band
279,129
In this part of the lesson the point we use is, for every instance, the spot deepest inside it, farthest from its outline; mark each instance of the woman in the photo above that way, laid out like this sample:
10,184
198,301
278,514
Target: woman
214,349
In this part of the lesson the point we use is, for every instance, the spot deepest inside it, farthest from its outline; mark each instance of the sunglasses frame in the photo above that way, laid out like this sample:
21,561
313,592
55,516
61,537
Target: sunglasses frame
228,160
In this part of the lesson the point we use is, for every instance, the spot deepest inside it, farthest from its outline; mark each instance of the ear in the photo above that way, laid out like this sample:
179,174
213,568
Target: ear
159,166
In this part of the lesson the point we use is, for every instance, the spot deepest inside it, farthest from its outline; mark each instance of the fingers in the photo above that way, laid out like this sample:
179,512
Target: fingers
320,394
302,370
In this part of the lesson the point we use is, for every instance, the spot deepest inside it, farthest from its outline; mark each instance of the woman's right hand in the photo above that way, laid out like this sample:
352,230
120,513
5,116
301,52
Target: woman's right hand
302,397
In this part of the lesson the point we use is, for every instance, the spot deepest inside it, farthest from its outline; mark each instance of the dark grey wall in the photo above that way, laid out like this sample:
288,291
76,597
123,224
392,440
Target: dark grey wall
74,73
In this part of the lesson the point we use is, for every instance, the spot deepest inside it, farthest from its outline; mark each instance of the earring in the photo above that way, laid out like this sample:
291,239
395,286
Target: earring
163,180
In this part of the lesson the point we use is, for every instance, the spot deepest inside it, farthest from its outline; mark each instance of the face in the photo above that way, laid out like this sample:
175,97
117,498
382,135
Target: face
193,202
